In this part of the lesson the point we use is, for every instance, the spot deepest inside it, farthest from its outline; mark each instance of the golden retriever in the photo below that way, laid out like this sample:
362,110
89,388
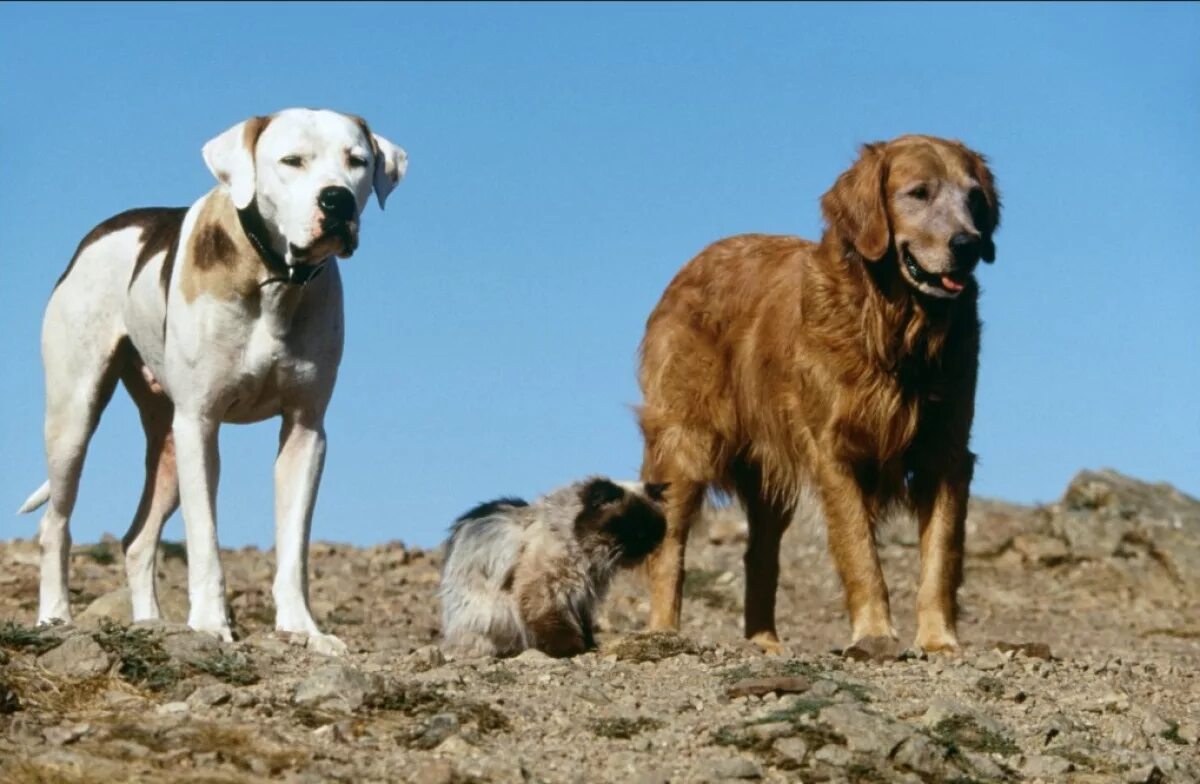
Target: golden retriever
772,363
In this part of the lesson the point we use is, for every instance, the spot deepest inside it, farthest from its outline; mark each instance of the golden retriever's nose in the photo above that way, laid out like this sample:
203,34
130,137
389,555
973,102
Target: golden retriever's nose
965,247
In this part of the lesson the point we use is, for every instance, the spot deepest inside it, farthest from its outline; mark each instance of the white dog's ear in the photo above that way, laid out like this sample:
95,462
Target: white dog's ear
230,157
390,164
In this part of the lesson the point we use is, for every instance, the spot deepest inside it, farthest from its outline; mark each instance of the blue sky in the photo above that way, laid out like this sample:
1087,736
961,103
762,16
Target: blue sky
566,160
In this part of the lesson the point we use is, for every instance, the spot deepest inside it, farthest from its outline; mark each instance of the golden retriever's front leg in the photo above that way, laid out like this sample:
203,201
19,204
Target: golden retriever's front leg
941,513
665,565
852,544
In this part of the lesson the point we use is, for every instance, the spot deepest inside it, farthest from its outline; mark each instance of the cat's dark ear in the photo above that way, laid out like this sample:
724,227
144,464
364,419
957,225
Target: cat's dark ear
657,491
600,492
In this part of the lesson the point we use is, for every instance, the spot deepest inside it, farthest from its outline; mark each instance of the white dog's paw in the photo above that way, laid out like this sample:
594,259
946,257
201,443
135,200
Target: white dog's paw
326,645
218,628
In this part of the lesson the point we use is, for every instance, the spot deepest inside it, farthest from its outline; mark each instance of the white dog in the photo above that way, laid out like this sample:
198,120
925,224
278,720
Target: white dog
214,313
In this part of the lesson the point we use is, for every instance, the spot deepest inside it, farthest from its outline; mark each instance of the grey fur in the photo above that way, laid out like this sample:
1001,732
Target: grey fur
532,576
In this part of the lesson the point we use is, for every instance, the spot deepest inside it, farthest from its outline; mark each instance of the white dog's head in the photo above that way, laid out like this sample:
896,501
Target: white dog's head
307,173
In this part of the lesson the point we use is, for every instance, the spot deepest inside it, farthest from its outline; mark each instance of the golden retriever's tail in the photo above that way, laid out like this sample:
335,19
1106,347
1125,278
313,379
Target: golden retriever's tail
39,497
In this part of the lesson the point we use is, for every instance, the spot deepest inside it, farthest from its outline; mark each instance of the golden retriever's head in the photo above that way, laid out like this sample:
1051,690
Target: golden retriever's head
928,203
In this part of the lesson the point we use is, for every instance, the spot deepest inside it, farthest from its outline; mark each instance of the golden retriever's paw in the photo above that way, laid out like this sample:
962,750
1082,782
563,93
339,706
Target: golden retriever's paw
770,645
326,645
876,649
940,643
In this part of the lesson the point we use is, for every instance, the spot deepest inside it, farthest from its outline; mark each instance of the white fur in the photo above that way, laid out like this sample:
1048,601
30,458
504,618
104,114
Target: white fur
218,360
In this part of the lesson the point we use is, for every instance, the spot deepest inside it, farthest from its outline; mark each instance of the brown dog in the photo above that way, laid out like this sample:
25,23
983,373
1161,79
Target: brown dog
772,363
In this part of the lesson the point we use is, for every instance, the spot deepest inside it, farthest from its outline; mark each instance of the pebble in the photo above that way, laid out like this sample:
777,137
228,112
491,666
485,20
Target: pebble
736,768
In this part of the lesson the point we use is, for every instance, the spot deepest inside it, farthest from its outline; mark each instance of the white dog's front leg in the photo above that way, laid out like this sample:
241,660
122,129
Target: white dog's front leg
297,475
199,465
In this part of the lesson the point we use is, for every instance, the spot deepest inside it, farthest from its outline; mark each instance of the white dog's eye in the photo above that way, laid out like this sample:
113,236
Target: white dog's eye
295,161
357,161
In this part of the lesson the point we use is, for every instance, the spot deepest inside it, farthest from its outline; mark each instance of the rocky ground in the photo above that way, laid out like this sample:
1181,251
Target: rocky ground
1082,652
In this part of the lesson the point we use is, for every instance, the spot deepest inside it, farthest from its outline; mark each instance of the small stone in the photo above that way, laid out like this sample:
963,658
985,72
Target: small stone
792,749
434,772
1045,766
65,733
190,646
78,656
209,696
337,686
736,768
653,776
922,755
835,755
1033,650
771,730
990,660
1154,726
244,699
762,686
1188,732
1146,774
866,732
455,746
172,709
823,689
429,657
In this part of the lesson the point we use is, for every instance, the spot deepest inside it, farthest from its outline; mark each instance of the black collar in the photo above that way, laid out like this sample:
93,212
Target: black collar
291,274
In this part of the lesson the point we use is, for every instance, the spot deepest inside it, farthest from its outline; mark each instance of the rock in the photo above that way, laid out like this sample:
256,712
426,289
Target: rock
1045,766
990,660
9,701
454,746
761,686
1041,549
426,658
652,647
65,733
793,749
209,696
334,686
736,768
79,656
918,753
865,732
771,730
1154,726
115,605
172,709
1187,731
1145,774
833,754
186,645
876,649
1033,650
434,772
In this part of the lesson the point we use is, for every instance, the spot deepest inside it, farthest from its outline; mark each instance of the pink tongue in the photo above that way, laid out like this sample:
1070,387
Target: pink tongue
950,284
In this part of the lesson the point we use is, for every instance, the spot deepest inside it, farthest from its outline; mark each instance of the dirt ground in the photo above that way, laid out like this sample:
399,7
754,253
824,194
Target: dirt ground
1081,632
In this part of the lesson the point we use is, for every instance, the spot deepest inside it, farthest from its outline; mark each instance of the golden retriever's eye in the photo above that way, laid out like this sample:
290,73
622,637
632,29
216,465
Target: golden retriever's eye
295,161
357,161
920,193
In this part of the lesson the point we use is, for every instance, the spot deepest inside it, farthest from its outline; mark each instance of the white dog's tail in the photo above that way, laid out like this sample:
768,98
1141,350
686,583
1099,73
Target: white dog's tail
39,497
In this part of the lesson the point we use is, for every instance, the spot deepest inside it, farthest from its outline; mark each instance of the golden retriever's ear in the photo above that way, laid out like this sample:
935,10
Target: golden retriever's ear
855,207
985,212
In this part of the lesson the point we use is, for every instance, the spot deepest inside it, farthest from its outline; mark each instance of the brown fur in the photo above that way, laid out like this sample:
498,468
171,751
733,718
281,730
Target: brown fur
220,259
773,363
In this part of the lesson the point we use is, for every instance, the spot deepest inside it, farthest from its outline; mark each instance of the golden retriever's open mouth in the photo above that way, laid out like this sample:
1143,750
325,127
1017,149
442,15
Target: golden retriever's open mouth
950,284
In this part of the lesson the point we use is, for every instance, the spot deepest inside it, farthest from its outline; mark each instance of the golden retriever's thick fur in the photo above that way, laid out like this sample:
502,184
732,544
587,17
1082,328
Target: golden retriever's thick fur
773,363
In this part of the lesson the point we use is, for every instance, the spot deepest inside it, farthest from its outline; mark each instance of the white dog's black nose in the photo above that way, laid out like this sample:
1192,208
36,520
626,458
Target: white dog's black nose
337,203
